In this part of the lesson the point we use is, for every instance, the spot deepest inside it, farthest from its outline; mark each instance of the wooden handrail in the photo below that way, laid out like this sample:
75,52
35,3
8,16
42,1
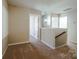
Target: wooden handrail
60,34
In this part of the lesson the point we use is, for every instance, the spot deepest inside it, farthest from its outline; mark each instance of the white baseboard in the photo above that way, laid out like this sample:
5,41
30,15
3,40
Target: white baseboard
18,43
72,45
48,44
4,51
14,44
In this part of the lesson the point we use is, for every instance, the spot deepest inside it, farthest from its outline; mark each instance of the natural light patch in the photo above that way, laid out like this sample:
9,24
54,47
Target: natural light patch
47,21
55,22
63,22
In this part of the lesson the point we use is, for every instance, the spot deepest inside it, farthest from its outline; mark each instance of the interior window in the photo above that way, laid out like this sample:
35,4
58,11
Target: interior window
55,22
63,22
46,21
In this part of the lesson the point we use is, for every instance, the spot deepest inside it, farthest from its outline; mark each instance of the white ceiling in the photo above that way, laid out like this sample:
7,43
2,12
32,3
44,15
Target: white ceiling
48,6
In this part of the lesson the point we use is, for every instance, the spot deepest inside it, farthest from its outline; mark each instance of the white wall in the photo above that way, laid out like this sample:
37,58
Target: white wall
4,25
4,19
72,29
48,37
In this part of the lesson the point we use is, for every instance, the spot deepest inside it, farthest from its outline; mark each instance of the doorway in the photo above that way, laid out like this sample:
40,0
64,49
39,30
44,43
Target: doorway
34,27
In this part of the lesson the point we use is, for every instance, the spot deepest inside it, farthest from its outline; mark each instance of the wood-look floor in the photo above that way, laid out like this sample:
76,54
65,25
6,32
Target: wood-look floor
36,50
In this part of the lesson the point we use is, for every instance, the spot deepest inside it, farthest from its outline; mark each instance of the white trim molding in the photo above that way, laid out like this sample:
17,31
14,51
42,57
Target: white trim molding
18,43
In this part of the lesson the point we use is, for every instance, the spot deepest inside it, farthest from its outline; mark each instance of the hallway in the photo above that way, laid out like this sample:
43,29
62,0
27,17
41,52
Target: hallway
36,50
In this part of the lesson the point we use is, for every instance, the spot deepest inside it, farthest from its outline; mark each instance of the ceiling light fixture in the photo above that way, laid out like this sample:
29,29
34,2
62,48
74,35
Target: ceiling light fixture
67,9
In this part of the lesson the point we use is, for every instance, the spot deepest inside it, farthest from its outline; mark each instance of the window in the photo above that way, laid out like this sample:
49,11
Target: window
55,22
59,23
63,22
46,21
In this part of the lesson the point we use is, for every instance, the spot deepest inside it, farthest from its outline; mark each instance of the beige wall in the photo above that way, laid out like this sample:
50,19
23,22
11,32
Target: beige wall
61,40
72,29
4,26
19,23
